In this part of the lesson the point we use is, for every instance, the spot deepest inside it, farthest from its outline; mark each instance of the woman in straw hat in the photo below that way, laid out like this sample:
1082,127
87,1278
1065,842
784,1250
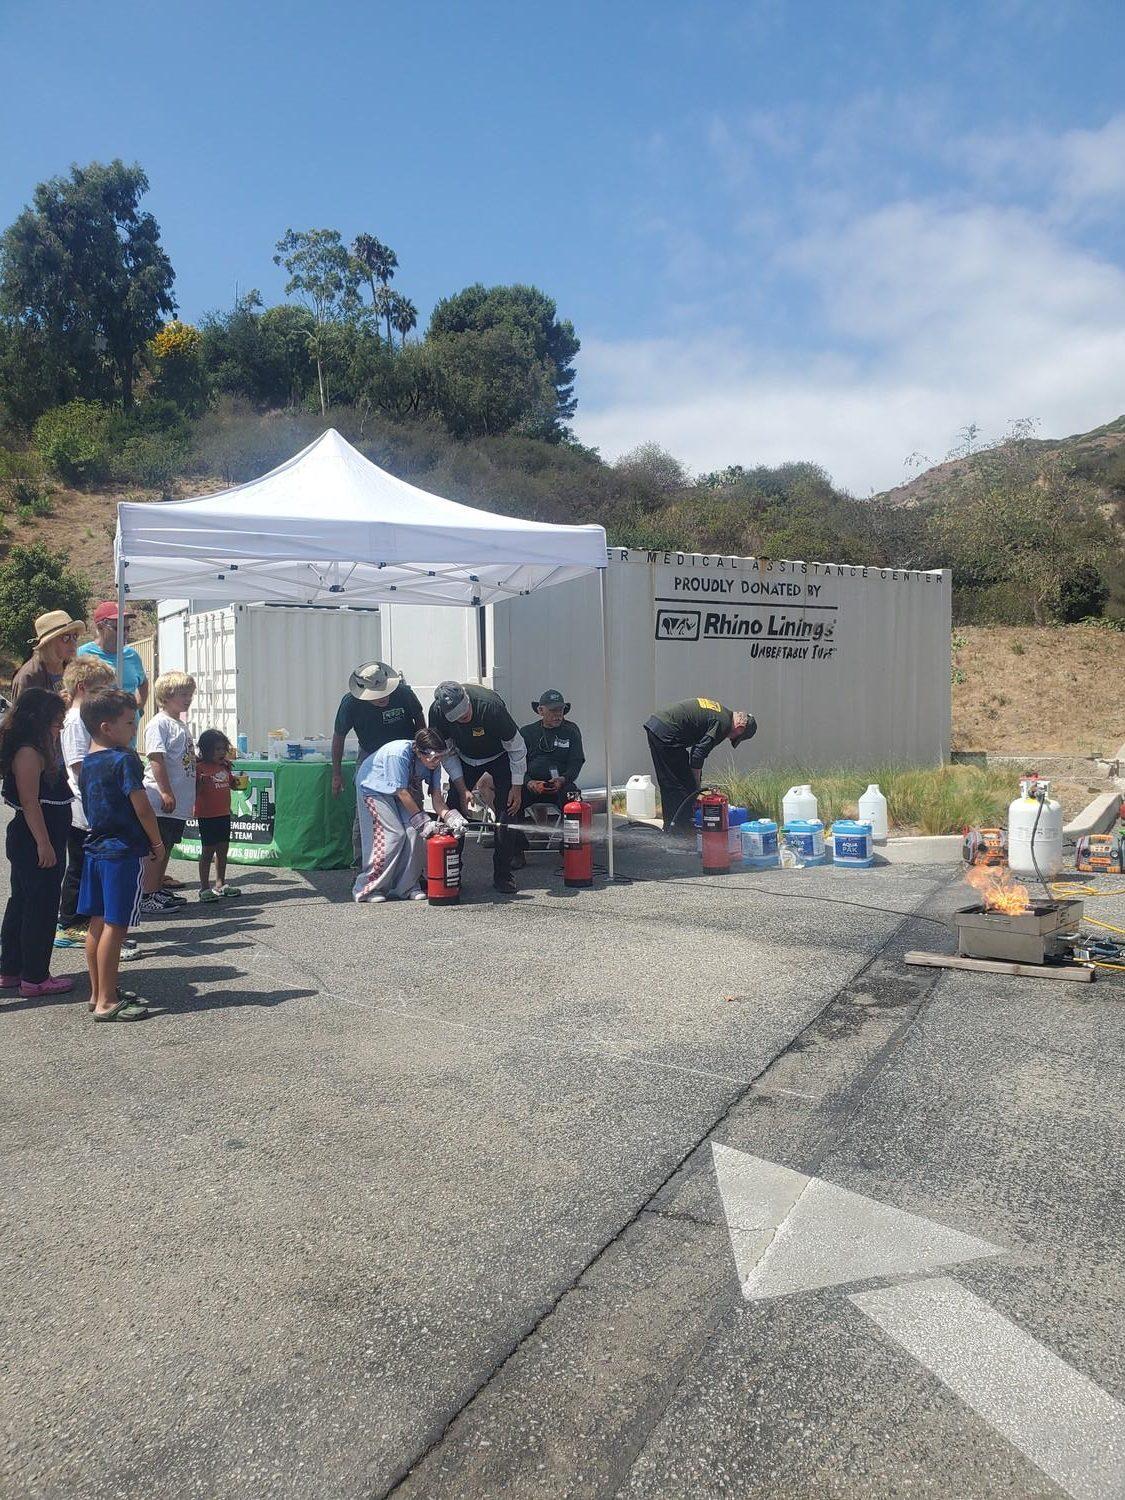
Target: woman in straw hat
56,641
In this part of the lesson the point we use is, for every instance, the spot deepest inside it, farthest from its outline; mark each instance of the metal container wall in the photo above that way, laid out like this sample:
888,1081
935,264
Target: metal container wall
839,664
261,667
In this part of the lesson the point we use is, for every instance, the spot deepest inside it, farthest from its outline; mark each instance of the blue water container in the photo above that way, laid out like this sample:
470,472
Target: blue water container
805,836
759,844
852,843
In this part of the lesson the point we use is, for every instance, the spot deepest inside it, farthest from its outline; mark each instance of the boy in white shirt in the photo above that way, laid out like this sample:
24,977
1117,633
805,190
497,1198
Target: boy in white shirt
169,780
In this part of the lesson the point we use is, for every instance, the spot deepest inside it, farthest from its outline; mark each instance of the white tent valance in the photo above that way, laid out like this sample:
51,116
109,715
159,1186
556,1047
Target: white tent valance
330,527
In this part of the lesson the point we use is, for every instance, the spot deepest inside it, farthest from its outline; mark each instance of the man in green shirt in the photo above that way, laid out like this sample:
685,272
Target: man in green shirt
680,738
554,752
483,737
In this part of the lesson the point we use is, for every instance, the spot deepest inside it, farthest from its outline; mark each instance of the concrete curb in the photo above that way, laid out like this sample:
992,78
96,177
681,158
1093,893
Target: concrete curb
922,849
1098,816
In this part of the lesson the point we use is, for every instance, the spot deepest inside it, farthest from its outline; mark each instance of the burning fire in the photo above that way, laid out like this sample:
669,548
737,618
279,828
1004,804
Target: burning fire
998,890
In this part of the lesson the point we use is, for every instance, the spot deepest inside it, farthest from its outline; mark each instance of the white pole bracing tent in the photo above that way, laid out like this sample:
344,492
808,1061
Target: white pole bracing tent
331,528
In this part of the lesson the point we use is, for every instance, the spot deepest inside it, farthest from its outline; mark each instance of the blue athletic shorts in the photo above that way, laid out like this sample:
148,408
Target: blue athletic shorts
112,889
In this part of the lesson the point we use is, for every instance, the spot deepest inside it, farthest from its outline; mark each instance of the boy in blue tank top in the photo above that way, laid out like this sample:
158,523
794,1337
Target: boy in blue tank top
123,833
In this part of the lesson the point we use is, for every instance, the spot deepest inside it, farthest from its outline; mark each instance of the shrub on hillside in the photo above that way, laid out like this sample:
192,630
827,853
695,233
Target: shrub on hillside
34,580
150,458
74,441
23,484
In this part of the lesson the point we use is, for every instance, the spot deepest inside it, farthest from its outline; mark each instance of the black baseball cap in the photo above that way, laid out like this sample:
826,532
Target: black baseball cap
451,699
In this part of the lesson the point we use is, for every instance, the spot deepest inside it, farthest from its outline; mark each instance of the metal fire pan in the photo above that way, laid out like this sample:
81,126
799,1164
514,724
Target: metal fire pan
1026,937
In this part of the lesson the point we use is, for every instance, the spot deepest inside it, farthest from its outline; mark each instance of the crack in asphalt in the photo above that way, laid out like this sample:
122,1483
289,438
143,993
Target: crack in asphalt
691,1356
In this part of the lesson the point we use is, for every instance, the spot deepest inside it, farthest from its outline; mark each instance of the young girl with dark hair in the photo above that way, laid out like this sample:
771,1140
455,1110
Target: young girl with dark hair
33,783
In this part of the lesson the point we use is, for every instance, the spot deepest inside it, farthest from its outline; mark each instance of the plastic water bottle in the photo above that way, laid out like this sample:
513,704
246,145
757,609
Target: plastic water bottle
873,810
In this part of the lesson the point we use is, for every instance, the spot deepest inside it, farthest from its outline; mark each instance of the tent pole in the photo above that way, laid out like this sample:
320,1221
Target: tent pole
603,581
120,622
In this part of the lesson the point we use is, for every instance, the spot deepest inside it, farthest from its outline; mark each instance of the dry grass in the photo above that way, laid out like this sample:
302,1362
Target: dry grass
1047,690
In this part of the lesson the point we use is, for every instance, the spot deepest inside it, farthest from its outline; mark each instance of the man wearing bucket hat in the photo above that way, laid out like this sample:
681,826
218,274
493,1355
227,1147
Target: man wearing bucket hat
483,737
55,642
554,751
104,648
380,707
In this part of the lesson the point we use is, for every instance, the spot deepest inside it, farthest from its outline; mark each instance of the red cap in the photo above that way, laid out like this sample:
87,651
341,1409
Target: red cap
108,611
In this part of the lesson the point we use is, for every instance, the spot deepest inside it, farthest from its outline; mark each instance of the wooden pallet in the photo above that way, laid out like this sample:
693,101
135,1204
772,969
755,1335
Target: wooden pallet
1073,973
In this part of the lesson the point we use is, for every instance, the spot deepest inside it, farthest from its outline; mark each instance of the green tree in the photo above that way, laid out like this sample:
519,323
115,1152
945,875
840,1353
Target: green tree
376,263
83,268
179,373
262,355
527,318
32,581
324,276
404,316
488,382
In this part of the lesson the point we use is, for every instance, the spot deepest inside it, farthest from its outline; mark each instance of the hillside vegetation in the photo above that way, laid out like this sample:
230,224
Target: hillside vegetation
106,394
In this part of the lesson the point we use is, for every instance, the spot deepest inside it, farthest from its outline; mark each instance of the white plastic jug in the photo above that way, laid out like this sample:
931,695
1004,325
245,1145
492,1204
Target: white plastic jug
640,797
873,810
799,805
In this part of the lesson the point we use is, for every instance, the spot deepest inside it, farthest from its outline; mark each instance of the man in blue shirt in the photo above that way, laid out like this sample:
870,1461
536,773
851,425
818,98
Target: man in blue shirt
105,649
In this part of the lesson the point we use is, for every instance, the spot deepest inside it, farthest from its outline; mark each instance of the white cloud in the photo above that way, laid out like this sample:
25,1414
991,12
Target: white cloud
934,315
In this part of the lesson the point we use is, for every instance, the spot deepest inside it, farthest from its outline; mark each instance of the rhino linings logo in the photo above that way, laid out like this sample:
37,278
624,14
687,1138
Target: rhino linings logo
677,624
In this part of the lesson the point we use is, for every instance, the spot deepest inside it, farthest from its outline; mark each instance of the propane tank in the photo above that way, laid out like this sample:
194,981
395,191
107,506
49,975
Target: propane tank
578,846
443,869
1035,813
716,843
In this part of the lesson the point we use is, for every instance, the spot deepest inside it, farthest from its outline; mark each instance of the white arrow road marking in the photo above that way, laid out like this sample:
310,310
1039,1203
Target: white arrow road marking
792,1233
1057,1418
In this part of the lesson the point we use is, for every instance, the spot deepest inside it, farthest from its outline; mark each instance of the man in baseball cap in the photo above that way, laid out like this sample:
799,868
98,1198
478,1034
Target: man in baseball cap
554,751
54,642
104,648
483,737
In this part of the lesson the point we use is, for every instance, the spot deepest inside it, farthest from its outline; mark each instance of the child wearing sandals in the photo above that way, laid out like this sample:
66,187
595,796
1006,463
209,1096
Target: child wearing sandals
123,838
214,778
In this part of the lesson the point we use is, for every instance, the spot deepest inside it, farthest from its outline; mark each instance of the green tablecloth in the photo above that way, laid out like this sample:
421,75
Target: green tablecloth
287,816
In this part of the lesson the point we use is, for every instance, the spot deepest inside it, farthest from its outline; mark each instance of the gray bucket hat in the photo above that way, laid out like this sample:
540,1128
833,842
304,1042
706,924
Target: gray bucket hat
373,680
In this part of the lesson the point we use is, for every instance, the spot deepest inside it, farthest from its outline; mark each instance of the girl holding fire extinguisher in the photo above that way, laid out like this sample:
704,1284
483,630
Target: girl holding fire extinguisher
390,787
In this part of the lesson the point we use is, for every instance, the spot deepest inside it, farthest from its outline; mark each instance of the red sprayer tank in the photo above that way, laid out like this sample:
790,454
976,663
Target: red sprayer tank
578,846
443,869
716,846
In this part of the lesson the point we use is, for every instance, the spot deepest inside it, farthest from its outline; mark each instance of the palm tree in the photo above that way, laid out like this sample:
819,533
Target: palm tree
377,263
404,315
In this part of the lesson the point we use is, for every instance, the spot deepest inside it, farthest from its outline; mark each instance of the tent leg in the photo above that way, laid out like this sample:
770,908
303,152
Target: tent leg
603,585
120,623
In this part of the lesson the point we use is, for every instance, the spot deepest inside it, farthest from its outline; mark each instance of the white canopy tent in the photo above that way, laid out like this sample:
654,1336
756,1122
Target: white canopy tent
330,527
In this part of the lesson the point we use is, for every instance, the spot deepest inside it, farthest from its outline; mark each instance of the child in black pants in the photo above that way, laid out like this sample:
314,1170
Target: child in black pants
34,783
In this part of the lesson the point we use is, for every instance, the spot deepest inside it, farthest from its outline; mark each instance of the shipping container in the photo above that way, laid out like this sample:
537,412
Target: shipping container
839,664
259,667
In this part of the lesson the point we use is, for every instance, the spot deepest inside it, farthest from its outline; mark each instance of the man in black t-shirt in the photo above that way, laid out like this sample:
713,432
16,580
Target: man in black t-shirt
380,707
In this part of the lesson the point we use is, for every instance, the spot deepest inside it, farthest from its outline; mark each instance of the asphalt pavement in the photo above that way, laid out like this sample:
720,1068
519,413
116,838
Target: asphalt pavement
476,1201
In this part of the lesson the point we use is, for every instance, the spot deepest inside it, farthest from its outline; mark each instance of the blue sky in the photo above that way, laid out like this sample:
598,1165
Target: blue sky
783,229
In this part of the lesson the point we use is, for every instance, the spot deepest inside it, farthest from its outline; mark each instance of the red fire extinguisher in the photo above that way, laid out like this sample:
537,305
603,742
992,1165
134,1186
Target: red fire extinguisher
443,869
578,848
716,848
